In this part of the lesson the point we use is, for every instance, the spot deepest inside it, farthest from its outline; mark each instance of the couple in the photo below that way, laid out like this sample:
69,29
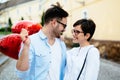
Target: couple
43,55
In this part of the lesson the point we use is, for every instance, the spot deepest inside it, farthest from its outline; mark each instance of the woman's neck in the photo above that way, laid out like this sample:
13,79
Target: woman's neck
84,44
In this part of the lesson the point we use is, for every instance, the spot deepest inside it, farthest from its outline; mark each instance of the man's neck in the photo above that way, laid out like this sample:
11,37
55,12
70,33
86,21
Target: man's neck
47,31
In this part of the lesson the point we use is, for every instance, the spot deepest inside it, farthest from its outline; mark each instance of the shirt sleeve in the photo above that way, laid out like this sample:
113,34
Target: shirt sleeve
23,74
92,65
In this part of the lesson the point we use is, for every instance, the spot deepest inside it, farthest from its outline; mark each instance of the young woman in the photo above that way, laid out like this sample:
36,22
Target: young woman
83,62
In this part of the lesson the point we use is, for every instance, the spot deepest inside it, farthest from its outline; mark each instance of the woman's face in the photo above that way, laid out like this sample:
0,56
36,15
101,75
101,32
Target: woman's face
78,34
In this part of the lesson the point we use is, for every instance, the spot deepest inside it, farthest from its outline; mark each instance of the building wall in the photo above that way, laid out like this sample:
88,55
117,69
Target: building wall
105,13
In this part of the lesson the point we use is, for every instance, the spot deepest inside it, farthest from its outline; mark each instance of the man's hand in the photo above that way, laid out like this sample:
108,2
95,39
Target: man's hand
23,60
24,36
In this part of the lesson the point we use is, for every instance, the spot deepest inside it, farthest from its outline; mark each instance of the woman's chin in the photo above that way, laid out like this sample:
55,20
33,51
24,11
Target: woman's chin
75,41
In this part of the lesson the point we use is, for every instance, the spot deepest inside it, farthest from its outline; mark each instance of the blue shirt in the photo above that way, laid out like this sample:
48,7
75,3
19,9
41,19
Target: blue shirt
39,58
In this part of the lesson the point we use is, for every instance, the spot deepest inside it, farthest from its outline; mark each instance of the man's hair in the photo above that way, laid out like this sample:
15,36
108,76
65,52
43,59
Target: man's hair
54,12
87,26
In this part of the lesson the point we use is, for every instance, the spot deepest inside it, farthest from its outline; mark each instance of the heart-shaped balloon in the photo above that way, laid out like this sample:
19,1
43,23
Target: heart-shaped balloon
10,44
31,26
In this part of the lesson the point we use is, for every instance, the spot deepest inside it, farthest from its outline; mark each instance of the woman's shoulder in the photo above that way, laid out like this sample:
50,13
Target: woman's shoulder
93,51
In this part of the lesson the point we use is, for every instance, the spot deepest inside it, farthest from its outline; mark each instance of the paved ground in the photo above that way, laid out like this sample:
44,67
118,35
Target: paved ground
7,70
108,70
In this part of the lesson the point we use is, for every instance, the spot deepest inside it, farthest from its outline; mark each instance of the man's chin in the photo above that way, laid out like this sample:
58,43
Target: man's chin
58,36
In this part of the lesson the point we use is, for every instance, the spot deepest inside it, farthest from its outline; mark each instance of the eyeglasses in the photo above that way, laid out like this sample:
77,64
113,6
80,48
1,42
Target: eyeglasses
64,25
76,31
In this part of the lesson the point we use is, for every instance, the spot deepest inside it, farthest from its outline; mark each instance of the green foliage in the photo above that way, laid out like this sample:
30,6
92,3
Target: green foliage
75,45
42,19
9,24
2,29
5,29
22,18
5,33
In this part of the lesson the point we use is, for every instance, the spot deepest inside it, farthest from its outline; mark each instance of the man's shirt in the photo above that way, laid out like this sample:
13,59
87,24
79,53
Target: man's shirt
39,58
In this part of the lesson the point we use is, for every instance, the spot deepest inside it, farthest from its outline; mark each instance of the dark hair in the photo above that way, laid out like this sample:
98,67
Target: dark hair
87,26
54,12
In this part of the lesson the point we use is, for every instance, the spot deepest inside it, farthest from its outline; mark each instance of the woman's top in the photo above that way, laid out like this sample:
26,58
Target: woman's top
75,60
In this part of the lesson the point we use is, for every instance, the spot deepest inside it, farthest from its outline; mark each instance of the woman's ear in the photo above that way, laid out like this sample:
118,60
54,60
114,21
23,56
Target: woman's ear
87,36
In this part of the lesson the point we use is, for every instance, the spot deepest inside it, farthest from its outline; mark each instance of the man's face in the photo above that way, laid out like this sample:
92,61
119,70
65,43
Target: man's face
60,27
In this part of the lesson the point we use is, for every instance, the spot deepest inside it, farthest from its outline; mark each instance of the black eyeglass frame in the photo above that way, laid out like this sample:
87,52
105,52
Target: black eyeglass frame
64,25
76,31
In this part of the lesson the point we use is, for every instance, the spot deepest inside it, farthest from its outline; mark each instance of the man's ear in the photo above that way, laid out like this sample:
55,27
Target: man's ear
87,35
53,21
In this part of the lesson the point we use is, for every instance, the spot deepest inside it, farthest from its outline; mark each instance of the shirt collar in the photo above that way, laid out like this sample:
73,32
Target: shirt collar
42,35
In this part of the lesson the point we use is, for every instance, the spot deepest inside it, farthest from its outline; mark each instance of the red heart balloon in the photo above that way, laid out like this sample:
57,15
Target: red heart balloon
31,26
10,44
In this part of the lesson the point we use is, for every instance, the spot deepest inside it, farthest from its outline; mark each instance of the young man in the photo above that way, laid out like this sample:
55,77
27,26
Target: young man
42,55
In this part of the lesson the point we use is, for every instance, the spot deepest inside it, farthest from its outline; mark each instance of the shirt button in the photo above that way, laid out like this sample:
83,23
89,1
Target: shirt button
50,62
49,52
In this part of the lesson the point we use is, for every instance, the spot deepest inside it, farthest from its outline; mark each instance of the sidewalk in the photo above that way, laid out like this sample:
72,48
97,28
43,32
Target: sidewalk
108,70
3,59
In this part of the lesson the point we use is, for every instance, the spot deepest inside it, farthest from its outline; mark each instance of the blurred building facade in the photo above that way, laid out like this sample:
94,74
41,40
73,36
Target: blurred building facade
105,13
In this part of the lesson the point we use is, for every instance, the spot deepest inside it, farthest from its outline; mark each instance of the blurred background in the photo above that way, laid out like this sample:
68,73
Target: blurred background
105,13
